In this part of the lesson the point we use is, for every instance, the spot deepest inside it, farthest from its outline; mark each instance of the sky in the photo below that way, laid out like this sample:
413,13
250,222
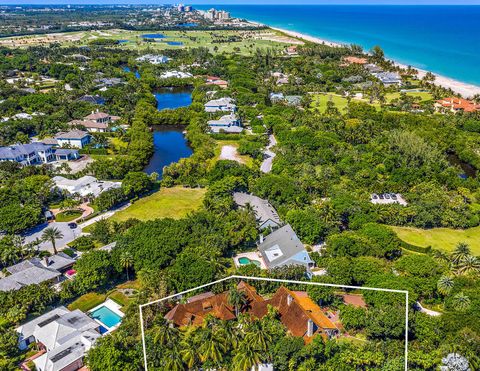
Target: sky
249,2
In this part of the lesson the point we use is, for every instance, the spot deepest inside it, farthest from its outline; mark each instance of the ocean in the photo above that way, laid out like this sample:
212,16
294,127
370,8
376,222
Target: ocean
441,39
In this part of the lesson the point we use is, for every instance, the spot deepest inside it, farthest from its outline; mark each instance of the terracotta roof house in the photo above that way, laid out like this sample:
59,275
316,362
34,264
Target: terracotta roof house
292,50
95,122
217,81
298,313
455,105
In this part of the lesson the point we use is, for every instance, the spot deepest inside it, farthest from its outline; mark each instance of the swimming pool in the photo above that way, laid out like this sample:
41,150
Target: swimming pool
245,261
106,316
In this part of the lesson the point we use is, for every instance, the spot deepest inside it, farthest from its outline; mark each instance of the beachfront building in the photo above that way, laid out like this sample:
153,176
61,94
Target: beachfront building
301,316
96,122
282,247
64,336
266,215
388,78
153,59
455,105
229,124
220,105
175,75
36,271
84,186
73,139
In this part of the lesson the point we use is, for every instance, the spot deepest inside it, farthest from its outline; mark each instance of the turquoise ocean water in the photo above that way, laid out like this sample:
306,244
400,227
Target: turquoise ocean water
442,39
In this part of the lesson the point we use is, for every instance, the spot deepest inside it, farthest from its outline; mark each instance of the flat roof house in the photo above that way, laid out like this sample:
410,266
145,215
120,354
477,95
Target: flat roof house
229,124
27,154
388,78
153,59
220,105
175,75
65,335
84,186
264,212
282,247
73,138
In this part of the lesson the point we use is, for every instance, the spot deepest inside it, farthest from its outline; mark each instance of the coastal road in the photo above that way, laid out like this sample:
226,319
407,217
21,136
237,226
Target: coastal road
269,155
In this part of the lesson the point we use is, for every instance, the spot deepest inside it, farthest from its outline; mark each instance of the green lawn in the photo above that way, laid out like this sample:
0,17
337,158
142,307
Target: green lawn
87,301
174,202
422,96
68,216
440,238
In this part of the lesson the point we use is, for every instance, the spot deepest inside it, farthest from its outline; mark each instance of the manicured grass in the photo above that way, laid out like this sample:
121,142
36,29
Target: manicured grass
421,96
68,216
87,301
119,298
174,203
319,101
441,238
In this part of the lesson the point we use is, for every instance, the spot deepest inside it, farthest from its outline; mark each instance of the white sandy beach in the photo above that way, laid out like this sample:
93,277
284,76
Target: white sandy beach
464,89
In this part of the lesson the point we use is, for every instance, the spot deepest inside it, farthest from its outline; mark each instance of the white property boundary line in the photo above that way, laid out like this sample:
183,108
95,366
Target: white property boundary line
280,281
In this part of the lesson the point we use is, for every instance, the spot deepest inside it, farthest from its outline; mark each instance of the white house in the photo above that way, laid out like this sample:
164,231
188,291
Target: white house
153,59
73,138
220,105
175,75
65,335
388,78
228,124
27,154
84,186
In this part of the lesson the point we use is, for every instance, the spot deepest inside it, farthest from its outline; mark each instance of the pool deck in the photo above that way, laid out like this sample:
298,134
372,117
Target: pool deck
114,307
252,255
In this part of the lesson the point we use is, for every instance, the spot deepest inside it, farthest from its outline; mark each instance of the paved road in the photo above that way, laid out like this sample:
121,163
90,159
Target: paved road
68,235
266,165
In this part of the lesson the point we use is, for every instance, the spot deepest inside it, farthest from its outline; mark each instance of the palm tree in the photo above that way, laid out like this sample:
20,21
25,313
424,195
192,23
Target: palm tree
469,265
166,335
173,361
246,358
126,261
52,234
445,285
461,252
461,302
257,336
237,299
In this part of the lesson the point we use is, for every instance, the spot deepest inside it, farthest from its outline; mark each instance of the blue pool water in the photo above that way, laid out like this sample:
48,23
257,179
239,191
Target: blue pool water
443,39
174,43
106,316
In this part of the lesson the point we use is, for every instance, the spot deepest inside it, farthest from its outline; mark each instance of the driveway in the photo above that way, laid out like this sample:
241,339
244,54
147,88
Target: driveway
269,155
68,235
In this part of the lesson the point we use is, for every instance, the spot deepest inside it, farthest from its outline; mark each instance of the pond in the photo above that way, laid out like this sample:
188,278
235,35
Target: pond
171,98
128,70
469,170
174,43
153,36
170,146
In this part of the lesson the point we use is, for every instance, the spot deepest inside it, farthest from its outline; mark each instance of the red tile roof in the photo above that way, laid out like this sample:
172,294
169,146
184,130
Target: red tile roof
459,104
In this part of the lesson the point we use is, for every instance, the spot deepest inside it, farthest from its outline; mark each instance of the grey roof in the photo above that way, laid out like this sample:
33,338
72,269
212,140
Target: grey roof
22,149
283,247
65,151
262,208
72,134
27,329
109,247
295,100
94,99
35,271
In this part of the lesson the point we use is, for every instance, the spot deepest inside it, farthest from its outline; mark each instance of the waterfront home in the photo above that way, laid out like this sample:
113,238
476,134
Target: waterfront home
175,75
229,124
27,154
220,105
96,122
276,97
455,105
153,59
282,247
73,138
266,215
36,271
64,336
388,78
84,186
216,81
300,315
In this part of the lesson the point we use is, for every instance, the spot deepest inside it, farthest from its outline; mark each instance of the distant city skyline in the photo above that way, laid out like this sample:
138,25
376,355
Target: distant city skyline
241,2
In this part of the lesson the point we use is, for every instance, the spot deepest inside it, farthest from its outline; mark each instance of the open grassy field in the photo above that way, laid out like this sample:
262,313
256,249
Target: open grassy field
174,202
440,238
244,42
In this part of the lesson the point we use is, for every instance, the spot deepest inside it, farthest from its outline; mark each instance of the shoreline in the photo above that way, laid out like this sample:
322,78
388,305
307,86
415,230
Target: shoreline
466,90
